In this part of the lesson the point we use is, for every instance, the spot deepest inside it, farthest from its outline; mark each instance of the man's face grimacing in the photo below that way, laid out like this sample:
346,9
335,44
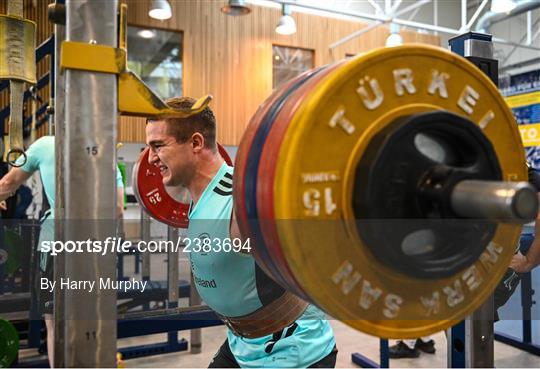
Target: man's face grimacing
175,160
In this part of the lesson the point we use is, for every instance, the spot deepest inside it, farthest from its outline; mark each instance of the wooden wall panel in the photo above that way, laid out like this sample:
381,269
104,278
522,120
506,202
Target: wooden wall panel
35,10
231,57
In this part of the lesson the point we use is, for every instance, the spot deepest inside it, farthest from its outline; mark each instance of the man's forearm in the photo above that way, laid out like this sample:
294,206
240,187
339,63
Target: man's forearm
533,255
7,188
11,182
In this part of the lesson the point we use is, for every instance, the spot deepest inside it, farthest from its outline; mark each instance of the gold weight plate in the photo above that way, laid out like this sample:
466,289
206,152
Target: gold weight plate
17,49
326,138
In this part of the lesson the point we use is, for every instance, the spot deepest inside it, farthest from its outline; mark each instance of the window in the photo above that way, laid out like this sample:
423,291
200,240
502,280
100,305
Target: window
288,62
156,57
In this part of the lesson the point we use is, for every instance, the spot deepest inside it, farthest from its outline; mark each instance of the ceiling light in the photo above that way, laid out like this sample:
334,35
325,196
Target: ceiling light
286,24
502,6
236,7
146,33
395,38
160,9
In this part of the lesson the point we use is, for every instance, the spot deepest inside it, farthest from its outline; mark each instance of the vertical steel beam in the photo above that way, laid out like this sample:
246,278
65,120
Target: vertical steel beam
529,27
145,235
436,14
172,269
196,337
463,15
172,278
59,199
479,337
471,344
89,185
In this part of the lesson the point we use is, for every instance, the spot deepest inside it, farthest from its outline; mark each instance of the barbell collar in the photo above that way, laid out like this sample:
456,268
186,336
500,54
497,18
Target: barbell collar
509,202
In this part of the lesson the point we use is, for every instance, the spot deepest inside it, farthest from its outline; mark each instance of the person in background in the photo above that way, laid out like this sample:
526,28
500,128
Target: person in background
41,157
411,348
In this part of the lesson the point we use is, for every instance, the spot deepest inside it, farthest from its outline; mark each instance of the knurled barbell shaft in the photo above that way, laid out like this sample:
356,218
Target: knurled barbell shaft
510,202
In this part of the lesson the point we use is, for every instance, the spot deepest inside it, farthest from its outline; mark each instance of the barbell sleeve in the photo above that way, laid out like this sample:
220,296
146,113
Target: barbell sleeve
514,202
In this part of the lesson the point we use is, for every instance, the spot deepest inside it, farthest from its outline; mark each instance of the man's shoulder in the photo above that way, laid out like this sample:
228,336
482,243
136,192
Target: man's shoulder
45,139
44,143
223,186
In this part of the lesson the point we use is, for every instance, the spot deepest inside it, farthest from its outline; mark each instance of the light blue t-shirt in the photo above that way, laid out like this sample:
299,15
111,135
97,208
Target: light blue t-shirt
40,156
233,285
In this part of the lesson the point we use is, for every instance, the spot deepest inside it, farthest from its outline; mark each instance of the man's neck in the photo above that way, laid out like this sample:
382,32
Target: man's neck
204,176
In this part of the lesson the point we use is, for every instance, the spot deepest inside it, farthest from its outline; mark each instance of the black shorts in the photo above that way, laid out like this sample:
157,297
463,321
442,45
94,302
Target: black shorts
509,282
224,358
45,296
505,289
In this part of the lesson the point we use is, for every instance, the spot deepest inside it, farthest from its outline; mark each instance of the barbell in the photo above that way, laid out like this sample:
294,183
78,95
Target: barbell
388,189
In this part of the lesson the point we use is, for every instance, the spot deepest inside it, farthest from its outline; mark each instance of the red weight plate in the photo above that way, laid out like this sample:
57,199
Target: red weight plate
240,170
252,167
169,205
243,152
238,178
266,172
251,178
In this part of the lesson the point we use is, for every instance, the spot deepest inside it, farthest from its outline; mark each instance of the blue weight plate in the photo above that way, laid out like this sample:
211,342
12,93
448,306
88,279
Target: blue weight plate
250,177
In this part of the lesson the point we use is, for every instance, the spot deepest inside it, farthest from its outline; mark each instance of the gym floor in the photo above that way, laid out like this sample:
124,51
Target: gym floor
348,340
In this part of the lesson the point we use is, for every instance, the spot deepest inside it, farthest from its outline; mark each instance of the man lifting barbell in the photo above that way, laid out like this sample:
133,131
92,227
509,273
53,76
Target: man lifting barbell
389,203
267,326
